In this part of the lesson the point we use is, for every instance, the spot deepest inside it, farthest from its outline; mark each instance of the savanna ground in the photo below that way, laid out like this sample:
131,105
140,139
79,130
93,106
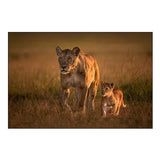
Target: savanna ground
34,81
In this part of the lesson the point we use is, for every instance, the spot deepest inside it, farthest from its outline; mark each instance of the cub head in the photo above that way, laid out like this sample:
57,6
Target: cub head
67,59
106,88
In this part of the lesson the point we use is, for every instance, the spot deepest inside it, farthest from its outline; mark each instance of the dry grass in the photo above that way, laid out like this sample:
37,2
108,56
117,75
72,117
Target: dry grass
125,59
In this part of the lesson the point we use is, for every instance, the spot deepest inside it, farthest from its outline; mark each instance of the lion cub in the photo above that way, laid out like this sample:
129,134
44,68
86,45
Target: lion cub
112,99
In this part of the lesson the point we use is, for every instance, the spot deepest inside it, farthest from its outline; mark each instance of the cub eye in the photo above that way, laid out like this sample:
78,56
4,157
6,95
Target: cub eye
106,88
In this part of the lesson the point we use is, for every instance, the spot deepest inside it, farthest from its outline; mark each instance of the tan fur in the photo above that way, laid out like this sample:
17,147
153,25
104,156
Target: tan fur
81,72
112,99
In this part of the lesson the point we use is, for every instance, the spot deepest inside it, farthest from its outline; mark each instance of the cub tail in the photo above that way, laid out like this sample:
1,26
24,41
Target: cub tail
124,105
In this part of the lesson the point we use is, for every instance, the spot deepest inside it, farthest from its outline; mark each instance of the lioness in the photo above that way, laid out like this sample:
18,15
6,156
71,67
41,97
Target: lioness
81,72
112,99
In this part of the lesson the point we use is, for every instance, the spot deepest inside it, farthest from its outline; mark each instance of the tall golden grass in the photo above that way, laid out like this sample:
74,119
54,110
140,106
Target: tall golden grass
34,81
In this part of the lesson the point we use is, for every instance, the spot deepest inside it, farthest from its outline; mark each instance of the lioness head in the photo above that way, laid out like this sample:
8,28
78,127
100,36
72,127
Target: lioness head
67,59
106,88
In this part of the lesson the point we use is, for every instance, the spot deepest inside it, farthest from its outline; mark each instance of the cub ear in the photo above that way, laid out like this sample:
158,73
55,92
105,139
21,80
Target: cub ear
112,85
102,84
59,51
75,51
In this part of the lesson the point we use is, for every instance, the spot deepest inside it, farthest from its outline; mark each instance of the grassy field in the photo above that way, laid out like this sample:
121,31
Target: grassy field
34,81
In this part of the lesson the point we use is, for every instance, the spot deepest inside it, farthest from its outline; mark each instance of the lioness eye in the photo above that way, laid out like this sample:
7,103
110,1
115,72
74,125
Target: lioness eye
60,58
69,59
106,88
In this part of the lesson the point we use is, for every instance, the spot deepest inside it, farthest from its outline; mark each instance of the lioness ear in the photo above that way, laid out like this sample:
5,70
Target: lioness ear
75,51
112,85
59,51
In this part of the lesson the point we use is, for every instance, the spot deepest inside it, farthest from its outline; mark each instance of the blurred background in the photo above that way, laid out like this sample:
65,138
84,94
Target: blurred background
123,58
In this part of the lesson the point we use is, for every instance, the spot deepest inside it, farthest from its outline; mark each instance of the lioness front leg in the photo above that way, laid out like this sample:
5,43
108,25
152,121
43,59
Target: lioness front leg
83,97
92,94
63,98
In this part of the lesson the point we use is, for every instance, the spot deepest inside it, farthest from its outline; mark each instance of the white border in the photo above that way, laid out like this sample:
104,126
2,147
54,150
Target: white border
110,16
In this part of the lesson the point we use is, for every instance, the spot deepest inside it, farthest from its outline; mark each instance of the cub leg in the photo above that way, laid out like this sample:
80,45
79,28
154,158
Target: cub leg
114,110
118,109
104,114
103,109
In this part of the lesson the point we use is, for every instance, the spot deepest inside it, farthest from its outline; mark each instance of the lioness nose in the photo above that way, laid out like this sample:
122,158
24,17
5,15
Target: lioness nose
63,67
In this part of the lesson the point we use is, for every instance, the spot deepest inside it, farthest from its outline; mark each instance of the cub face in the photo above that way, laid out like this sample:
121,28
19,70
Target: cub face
67,59
106,88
